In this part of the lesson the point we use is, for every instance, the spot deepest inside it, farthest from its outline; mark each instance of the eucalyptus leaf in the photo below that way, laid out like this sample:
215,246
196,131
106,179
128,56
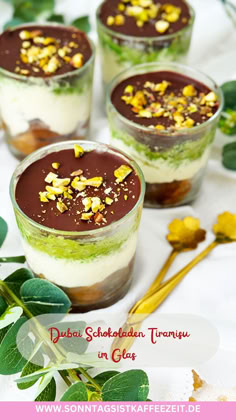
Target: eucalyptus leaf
3,332
3,305
82,23
29,11
11,359
76,392
229,156
29,368
49,393
19,260
3,230
56,18
11,315
103,377
44,383
12,23
42,372
42,297
16,279
229,91
128,386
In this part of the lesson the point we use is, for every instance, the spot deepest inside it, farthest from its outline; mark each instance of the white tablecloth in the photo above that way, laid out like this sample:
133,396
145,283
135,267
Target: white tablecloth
210,289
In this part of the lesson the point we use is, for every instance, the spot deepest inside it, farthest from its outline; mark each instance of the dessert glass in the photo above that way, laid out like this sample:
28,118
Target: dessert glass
119,52
93,267
173,163
36,112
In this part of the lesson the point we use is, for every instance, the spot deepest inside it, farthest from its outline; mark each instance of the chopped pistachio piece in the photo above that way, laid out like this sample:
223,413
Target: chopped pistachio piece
79,151
50,177
110,20
61,182
189,90
95,182
24,35
87,202
77,60
122,172
211,97
119,20
96,204
67,195
126,197
86,216
78,185
160,127
162,26
51,196
108,201
56,165
61,207
77,173
54,190
43,197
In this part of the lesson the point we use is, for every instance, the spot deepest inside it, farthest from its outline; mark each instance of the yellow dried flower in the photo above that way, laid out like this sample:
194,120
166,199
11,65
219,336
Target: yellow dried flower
225,228
185,234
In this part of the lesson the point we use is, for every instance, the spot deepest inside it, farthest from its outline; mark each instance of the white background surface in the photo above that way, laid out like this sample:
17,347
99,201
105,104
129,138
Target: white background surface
210,289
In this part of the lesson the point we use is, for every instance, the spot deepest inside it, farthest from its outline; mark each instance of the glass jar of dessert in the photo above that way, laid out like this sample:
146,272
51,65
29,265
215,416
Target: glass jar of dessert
46,75
165,116
78,208
133,32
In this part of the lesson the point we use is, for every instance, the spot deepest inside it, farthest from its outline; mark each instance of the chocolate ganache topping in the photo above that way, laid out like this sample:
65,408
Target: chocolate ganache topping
74,190
164,100
43,51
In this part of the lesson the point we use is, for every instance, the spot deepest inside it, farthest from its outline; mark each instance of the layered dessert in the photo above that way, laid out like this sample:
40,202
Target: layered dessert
46,75
78,208
132,32
166,120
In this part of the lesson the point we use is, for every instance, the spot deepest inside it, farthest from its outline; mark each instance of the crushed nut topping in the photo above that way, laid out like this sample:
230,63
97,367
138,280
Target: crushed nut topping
55,165
79,151
146,11
65,191
175,107
46,53
122,172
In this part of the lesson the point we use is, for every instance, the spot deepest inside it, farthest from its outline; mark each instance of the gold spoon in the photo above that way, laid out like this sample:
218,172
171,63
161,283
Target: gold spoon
184,235
225,231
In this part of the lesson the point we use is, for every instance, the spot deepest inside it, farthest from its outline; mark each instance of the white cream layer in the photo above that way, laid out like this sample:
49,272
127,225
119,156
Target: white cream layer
76,273
160,171
110,65
21,103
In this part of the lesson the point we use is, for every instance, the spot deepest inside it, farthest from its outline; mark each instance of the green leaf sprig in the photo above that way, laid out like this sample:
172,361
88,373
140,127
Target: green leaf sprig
43,10
22,297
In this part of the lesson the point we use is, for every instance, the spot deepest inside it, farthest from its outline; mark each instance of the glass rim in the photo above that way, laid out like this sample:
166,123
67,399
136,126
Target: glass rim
75,72
69,144
176,67
146,38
